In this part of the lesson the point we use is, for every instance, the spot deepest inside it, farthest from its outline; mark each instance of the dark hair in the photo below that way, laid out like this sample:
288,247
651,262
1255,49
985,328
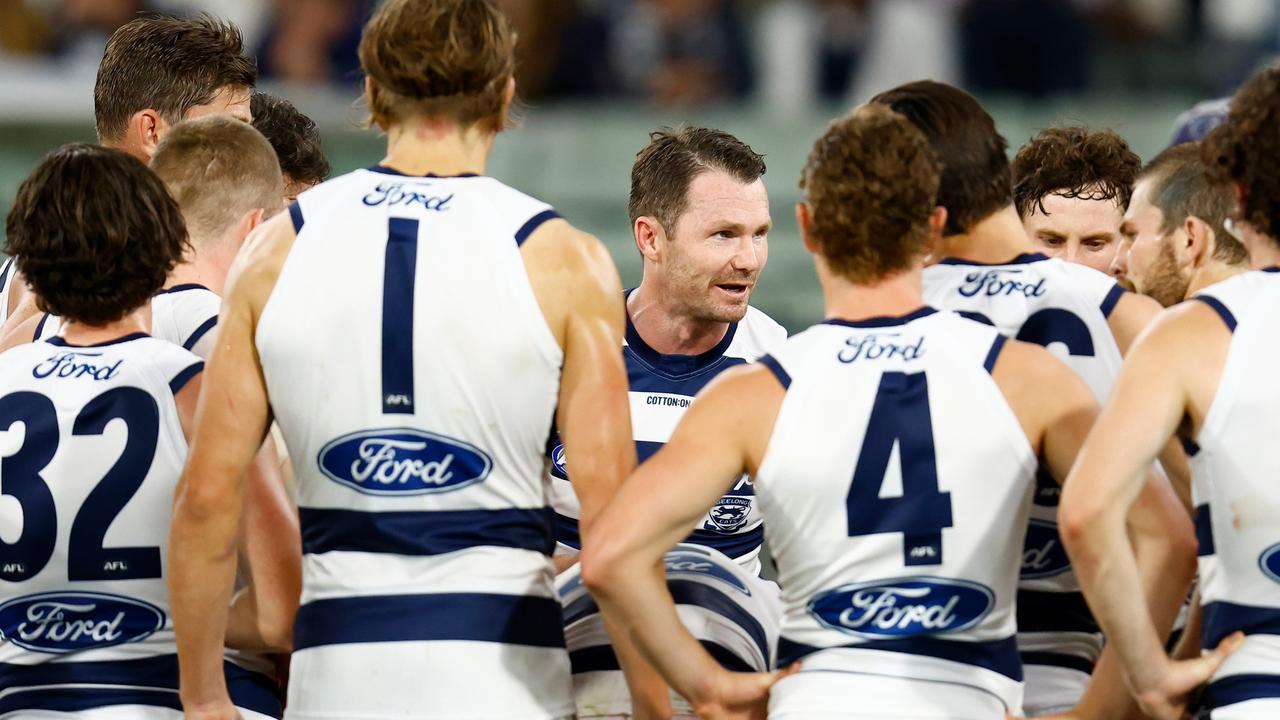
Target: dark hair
871,183
1074,162
438,58
1247,151
169,65
1182,186
94,233
976,181
293,136
218,168
666,167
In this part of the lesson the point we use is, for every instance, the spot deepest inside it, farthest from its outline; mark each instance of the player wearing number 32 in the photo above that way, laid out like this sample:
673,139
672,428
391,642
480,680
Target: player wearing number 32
896,527
414,328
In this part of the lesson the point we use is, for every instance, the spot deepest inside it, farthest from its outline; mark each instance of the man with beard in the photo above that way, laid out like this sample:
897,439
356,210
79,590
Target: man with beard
700,217
1175,237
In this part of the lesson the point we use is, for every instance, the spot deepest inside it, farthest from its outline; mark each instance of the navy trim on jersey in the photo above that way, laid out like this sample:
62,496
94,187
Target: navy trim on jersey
734,545
477,617
1239,688
1219,308
380,168
205,327
1204,530
1189,446
78,699
1270,269
4,275
182,288
1109,302
40,328
534,223
883,321
180,380
601,658
775,367
60,342
295,216
645,378
994,353
424,532
1223,618
1060,660
999,656
567,532
676,365
1040,611
1023,259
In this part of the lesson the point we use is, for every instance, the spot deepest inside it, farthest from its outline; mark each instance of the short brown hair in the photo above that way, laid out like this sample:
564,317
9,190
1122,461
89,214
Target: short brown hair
94,233
438,58
976,181
294,137
1074,162
1247,151
169,65
218,168
1182,186
871,182
667,166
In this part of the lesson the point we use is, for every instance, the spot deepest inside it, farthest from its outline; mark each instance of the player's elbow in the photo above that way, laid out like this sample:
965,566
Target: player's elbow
1080,519
276,629
600,564
206,516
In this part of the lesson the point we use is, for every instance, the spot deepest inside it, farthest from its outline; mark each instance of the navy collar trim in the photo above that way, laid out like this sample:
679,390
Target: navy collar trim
57,340
686,364
1270,269
884,320
182,288
1022,259
392,171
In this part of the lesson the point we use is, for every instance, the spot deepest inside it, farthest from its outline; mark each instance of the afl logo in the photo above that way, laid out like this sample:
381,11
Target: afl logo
557,461
903,607
728,515
403,461
1269,562
1042,553
63,622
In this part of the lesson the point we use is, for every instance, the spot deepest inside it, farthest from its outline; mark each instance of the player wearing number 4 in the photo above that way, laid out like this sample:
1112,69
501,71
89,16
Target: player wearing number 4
894,449
93,433
986,268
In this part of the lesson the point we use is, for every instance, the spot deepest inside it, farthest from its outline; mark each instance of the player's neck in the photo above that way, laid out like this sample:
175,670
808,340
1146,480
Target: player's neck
894,296
424,146
207,266
1264,255
662,326
997,238
1212,274
78,333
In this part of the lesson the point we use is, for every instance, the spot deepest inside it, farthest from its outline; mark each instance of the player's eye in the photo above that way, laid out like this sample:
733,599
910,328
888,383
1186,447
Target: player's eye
1052,241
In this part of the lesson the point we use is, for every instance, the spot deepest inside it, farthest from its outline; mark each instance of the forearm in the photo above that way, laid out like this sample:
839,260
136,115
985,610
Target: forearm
246,629
650,697
1188,646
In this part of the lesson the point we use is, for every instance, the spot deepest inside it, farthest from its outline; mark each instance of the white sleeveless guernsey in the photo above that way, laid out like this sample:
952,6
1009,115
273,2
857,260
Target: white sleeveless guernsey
184,315
1064,307
415,378
1234,474
895,489
91,447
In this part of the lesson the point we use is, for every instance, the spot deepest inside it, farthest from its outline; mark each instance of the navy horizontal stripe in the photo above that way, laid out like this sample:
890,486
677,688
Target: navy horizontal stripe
1239,688
1204,530
994,353
567,531
1219,308
79,699
1054,612
999,656
601,658
1111,300
534,223
1061,660
180,380
478,617
775,367
200,332
425,532
1223,618
735,545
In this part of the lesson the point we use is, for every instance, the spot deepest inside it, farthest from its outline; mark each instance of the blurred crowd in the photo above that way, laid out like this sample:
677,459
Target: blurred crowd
681,52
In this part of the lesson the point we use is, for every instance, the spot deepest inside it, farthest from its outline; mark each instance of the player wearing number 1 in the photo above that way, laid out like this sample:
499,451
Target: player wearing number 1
414,328
894,449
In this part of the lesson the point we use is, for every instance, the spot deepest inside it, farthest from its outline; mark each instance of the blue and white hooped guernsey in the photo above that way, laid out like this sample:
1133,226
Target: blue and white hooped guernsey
1233,472
91,447
414,378
1064,307
895,490
662,387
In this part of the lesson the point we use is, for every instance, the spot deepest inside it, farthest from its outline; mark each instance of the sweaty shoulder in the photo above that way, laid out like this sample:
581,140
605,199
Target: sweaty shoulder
571,272
1022,371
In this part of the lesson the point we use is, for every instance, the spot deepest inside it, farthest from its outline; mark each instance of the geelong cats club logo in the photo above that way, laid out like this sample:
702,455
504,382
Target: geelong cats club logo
729,514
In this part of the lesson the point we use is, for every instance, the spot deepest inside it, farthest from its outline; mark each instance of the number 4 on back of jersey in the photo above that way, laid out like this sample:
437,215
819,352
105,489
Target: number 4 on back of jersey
900,417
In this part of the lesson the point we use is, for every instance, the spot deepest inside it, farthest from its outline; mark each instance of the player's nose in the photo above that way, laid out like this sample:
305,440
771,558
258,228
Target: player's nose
1120,263
748,258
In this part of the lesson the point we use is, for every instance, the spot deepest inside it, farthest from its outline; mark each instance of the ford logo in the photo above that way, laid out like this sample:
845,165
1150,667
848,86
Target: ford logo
63,622
1043,554
403,461
1269,562
903,607
689,561
557,460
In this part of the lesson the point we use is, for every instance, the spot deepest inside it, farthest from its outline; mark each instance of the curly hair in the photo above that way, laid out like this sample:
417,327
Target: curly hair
665,168
871,182
1246,150
1074,162
94,233
293,136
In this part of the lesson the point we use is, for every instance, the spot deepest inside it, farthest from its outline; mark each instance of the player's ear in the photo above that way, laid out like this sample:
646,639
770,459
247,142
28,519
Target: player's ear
649,236
1199,242
804,219
248,222
143,133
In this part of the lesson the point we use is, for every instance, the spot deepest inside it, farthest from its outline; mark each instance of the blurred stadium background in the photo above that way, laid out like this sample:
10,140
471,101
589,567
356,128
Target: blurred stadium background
597,75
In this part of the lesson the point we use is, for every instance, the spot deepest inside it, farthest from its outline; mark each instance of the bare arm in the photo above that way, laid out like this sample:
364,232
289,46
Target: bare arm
722,435
231,423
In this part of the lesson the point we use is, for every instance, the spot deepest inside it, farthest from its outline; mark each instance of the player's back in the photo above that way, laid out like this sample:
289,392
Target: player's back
92,448
1234,488
895,489
414,379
